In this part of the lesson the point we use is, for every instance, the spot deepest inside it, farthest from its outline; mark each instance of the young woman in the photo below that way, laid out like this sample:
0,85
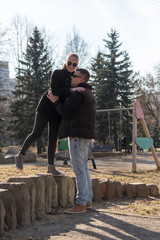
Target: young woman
46,113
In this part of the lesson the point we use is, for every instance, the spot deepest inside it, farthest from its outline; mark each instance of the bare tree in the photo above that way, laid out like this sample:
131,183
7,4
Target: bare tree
75,44
149,97
19,32
3,41
51,42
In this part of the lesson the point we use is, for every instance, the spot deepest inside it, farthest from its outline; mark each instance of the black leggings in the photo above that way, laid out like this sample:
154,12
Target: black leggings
41,121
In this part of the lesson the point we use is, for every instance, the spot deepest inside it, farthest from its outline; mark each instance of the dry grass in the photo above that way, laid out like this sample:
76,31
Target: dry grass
102,171
145,176
148,206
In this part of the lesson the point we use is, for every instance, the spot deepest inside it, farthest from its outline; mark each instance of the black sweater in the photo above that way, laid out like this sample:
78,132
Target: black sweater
60,86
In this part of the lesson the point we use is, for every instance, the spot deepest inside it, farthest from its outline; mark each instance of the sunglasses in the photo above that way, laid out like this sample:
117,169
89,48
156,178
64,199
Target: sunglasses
70,63
75,76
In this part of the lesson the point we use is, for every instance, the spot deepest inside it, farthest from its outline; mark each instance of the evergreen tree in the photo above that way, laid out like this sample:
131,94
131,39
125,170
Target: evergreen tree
99,85
33,78
114,82
128,89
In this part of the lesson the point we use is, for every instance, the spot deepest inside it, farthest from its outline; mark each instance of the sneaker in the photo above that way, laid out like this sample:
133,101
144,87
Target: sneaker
89,205
19,161
51,169
78,208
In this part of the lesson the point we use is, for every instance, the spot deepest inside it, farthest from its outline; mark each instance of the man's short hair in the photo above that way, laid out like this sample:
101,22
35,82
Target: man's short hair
85,73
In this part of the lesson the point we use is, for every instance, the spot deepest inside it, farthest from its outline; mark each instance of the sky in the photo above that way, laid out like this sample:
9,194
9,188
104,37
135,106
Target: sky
136,21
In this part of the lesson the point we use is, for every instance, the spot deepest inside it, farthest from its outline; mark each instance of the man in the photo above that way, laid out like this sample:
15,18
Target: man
78,123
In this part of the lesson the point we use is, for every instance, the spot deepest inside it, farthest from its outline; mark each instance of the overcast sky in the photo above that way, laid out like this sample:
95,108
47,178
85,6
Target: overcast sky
137,22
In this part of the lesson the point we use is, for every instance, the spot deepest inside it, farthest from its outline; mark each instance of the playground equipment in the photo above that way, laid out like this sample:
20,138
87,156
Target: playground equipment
63,146
143,143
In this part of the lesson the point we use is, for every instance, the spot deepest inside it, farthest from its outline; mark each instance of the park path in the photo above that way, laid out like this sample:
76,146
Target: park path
92,225
145,161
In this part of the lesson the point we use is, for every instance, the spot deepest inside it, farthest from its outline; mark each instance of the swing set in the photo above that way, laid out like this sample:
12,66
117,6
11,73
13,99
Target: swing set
143,143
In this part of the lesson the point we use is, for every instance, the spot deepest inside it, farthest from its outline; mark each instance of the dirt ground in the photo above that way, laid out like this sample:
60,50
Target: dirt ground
119,219
99,223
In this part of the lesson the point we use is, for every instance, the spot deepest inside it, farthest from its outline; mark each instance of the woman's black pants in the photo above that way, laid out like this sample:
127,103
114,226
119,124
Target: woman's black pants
41,121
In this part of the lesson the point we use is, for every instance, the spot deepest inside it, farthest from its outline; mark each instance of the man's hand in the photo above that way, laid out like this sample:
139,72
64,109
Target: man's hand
52,97
79,89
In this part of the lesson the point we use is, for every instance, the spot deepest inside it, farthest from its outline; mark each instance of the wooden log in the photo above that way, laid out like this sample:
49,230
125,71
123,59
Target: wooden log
134,146
145,128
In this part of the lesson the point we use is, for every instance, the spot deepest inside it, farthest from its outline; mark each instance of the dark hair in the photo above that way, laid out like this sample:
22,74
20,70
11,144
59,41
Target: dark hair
85,73
70,55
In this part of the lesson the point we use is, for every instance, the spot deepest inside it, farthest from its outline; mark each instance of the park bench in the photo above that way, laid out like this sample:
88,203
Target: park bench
63,151
103,148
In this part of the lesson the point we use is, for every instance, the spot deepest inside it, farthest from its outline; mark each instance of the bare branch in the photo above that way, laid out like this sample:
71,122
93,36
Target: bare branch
75,44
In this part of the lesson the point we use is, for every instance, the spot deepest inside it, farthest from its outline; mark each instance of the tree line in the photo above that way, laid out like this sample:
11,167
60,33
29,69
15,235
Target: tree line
114,81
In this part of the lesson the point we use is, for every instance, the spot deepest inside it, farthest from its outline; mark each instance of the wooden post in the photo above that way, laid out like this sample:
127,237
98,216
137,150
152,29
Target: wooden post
134,146
145,128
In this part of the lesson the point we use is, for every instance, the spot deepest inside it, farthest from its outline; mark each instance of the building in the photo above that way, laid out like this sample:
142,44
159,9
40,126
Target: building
7,85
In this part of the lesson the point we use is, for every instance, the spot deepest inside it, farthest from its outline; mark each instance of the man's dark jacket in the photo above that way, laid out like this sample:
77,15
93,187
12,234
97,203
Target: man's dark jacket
79,114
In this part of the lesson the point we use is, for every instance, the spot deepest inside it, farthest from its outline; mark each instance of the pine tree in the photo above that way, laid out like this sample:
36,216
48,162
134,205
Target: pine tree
99,85
128,89
33,78
114,82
